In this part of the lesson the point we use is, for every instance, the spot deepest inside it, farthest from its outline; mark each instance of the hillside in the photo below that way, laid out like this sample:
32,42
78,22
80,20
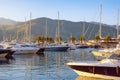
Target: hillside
4,21
66,29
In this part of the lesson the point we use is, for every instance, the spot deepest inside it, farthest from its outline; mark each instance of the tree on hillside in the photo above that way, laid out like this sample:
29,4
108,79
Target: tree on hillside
44,38
50,40
81,39
97,38
107,38
72,39
38,39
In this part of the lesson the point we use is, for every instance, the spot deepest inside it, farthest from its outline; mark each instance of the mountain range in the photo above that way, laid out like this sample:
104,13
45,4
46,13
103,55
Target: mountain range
4,21
67,28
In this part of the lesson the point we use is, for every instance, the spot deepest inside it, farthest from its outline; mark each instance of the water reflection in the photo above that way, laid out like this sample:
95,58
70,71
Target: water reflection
41,54
44,66
4,61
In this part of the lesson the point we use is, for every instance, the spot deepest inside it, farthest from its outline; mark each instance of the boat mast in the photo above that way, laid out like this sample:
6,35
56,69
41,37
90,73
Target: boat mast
17,35
30,28
117,27
58,31
3,33
83,33
45,35
10,37
58,25
46,29
26,31
58,34
100,28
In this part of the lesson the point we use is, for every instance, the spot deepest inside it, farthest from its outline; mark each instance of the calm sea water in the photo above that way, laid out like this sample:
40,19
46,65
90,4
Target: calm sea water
46,66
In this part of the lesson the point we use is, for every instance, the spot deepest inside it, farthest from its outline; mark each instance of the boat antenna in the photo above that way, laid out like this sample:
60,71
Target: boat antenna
100,28
26,31
117,27
30,27
58,28
83,34
46,29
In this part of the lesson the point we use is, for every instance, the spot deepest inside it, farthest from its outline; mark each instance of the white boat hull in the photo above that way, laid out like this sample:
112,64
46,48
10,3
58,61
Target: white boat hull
106,69
81,73
100,55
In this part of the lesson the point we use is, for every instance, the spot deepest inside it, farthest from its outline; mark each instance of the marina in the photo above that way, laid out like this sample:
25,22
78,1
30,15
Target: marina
46,66
59,40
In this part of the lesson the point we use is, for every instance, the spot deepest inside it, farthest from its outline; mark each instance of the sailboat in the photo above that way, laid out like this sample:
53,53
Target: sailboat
82,43
56,46
103,53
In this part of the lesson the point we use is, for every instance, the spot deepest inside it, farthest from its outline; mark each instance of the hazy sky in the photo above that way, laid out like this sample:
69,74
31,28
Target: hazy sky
73,10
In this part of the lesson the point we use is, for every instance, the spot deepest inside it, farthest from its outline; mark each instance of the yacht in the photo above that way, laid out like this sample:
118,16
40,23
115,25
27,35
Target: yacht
82,46
23,48
108,68
70,45
56,47
104,53
5,53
